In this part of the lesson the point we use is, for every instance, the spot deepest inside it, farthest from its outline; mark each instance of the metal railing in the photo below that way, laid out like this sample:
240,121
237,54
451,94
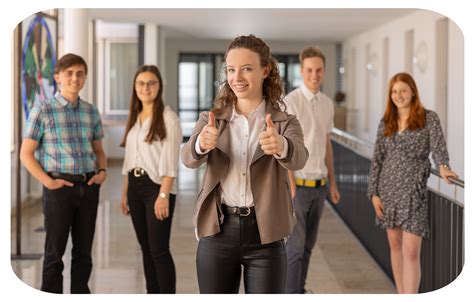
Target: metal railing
442,255
365,149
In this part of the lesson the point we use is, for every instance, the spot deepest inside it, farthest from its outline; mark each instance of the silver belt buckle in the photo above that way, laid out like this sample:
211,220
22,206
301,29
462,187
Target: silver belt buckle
248,211
137,172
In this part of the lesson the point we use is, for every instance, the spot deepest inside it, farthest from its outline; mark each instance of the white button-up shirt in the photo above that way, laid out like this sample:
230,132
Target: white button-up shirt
161,157
315,113
244,140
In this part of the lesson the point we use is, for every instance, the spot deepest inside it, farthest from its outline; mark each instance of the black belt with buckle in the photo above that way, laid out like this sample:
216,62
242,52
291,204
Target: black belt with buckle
240,211
138,172
84,177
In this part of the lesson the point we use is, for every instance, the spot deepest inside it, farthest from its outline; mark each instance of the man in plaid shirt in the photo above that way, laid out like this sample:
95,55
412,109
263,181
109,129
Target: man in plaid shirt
65,132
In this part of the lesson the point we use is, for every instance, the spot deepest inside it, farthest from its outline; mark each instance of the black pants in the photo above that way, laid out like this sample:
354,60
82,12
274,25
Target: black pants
153,234
69,209
220,259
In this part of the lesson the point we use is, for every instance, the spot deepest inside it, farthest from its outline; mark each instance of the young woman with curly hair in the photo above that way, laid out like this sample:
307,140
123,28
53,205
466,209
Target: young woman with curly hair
244,209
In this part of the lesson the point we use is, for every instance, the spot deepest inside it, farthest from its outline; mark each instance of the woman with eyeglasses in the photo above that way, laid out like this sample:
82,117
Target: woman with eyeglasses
152,140
248,142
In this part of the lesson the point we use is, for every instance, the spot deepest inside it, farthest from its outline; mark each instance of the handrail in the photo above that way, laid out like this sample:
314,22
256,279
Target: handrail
352,137
456,181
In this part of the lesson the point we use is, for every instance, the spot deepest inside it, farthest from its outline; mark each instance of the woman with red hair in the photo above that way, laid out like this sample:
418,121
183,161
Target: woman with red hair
399,173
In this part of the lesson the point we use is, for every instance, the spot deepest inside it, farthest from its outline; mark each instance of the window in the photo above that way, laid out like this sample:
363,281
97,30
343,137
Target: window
198,86
200,76
117,54
289,66
122,63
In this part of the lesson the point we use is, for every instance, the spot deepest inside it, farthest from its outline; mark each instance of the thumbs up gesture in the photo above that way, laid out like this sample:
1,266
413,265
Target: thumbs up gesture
270,141
208,136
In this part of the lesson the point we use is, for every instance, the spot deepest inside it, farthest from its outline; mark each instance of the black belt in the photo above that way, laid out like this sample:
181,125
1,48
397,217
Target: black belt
138,172
240,211
84,177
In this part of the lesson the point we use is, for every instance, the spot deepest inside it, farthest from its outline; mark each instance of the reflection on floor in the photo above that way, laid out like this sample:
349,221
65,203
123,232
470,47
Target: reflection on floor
339,264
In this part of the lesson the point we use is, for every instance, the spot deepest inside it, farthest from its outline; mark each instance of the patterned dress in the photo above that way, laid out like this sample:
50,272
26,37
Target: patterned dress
399,174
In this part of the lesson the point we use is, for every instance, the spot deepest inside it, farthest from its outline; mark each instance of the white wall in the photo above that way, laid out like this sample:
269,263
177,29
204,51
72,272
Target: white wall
362,93
455,108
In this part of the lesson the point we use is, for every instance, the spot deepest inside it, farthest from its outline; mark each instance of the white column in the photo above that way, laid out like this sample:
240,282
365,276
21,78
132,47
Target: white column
76,40
155,49
155,46
162,52
151,44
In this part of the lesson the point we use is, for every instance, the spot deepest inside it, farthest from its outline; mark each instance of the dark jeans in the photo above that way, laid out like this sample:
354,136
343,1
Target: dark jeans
220,259
308,205
69,209
153,234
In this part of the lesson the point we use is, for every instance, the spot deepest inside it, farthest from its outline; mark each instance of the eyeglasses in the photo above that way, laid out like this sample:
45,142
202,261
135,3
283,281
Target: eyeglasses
141,84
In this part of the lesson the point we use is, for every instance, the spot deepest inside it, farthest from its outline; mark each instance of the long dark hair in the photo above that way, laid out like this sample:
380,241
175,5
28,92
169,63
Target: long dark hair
157,128
272,88
416,119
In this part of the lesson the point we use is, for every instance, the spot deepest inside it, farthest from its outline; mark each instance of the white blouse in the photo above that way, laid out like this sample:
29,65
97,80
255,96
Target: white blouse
161,157
244,141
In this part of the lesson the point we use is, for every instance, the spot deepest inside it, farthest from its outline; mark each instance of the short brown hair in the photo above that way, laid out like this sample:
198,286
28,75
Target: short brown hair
310,52
69,60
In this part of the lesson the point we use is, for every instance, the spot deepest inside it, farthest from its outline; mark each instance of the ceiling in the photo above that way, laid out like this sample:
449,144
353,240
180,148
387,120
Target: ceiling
329,25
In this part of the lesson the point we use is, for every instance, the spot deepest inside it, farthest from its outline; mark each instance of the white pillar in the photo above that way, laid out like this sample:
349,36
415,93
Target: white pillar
151,44
155,46
162,52
155,50
76,40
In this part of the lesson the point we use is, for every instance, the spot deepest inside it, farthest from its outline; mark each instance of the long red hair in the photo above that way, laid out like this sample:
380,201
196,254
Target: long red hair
416,120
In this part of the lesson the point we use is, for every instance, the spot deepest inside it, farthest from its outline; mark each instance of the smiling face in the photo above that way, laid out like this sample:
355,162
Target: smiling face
71,80
147,87
312,72
401,95
245,74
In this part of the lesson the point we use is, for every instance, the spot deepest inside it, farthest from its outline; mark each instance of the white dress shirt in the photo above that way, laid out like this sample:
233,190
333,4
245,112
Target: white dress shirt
161,157
244,141
315,113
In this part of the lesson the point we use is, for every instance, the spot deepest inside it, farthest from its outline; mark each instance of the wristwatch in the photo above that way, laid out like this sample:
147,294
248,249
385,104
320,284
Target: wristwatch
163,195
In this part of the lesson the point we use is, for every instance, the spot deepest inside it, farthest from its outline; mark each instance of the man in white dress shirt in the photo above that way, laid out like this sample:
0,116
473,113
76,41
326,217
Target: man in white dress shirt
310,186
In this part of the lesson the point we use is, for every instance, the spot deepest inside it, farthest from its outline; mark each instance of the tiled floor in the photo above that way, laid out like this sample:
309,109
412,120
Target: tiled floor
339,263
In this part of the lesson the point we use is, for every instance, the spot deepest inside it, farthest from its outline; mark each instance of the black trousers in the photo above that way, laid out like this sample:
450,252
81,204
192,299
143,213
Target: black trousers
221,257
69,209
153,234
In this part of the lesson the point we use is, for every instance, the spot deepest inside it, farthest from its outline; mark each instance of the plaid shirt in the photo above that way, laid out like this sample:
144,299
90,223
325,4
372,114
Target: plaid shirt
64,134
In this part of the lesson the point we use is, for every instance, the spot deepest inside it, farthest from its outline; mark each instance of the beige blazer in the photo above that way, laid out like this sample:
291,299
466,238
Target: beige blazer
269,177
